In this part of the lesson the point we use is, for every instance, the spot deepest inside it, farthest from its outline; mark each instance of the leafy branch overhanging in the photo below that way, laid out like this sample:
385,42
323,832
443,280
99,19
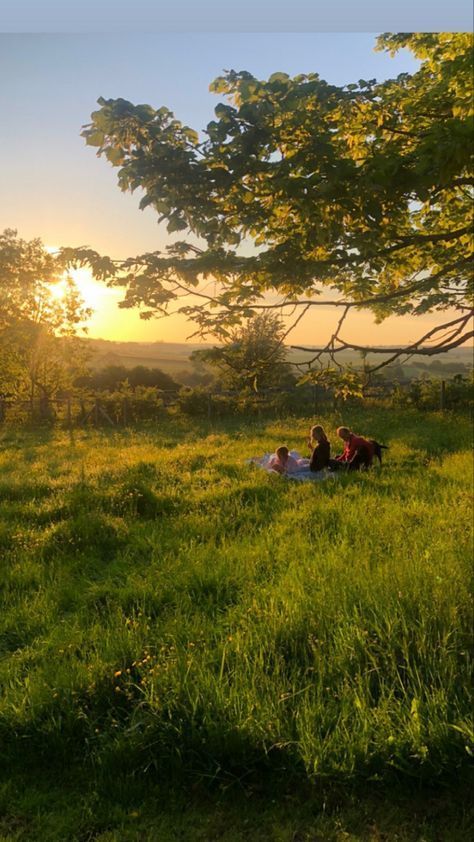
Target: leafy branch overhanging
299,186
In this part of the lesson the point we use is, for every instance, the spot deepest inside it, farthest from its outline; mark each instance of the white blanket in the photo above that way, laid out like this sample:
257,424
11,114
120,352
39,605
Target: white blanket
302,474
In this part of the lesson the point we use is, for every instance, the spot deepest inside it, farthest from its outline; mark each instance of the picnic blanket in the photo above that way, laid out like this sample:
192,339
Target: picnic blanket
302,474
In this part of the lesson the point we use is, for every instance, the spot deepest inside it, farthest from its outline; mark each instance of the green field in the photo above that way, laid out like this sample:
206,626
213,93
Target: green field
192,649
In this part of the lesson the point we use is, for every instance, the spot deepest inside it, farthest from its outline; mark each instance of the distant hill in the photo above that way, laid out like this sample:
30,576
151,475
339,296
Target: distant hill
170,357
174,357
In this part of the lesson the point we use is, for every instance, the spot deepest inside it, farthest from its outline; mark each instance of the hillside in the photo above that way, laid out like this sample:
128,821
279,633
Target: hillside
173,357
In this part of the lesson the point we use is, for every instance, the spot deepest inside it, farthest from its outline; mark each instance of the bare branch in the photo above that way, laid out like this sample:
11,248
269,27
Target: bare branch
453,339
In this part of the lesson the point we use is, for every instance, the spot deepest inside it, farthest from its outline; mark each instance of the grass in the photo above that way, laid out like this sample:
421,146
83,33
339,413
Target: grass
193,649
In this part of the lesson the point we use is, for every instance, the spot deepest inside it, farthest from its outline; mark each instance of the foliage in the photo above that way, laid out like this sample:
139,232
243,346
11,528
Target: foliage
365,188
426,394
113,376
173,619
202,402
341,383
141,403
39,350
253,356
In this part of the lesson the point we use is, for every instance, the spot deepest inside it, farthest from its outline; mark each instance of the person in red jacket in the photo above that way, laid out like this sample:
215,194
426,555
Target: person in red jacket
358,452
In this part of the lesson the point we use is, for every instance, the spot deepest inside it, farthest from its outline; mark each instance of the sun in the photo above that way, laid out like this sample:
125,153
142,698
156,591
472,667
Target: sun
91,291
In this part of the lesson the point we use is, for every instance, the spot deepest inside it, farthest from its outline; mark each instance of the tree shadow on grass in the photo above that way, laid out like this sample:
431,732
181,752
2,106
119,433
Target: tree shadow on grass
205,793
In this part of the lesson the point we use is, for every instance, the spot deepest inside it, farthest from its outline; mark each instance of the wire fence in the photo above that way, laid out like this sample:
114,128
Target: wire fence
116,410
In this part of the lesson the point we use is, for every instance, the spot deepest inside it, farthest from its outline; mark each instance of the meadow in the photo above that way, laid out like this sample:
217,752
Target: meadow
193,649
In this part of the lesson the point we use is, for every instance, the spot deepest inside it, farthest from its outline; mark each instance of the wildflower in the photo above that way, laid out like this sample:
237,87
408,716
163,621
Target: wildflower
116,674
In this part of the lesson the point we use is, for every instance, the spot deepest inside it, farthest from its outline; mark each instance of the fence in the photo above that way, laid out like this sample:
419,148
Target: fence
115,410
93,410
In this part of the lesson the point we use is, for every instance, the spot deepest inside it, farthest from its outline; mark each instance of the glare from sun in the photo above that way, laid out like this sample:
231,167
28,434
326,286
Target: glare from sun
90,290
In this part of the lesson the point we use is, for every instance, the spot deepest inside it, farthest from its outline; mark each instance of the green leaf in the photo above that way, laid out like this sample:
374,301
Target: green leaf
114,155
278,77
176,223
94,138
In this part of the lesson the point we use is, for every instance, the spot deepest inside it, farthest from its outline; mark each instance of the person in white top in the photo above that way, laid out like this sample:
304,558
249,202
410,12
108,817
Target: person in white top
282,462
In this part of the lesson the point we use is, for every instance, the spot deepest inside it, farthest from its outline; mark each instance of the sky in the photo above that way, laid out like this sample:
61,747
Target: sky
53,186
244,16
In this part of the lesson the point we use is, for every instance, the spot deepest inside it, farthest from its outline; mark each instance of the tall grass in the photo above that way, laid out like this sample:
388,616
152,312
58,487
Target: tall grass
173,612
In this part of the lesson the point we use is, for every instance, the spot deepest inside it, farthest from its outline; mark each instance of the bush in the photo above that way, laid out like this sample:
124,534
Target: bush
426,394
143,403
201,402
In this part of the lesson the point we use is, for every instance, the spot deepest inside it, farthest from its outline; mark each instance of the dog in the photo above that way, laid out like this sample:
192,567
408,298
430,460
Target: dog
378,449
363,458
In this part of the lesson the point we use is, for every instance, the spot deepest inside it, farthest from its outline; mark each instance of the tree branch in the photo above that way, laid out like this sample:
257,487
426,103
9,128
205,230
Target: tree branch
453,340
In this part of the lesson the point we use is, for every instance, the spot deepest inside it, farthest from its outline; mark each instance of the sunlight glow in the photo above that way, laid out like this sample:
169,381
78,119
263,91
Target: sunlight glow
92,292
59,290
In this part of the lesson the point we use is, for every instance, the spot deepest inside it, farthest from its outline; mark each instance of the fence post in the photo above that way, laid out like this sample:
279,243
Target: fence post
442,395
69,414
96,413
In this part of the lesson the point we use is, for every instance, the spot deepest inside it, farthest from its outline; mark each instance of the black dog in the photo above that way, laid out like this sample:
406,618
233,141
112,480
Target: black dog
363,457
378,449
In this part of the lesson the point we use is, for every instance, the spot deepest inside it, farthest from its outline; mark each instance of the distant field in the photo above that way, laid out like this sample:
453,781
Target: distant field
173,357
194,650
170,357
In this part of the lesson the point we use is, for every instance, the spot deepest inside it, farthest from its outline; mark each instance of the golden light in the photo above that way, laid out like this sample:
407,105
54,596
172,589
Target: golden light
91,291
59,290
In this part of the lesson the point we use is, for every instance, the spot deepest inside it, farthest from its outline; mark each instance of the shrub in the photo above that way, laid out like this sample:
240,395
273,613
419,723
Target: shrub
426,394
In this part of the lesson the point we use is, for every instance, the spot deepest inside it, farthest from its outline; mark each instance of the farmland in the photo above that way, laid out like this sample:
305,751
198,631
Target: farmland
193,649
174,357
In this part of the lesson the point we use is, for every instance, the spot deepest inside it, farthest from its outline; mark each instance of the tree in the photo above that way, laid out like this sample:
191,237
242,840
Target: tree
364,189
40,353
112,376
252,357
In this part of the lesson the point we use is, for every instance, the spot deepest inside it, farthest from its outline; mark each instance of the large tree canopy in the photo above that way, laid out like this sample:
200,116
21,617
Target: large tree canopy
298,185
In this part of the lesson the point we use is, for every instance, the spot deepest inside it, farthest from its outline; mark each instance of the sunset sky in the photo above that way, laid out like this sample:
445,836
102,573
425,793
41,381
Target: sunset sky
54,187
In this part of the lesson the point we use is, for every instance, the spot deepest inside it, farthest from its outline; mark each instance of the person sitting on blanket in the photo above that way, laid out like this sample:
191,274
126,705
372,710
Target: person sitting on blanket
358,452
321,449
282,462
